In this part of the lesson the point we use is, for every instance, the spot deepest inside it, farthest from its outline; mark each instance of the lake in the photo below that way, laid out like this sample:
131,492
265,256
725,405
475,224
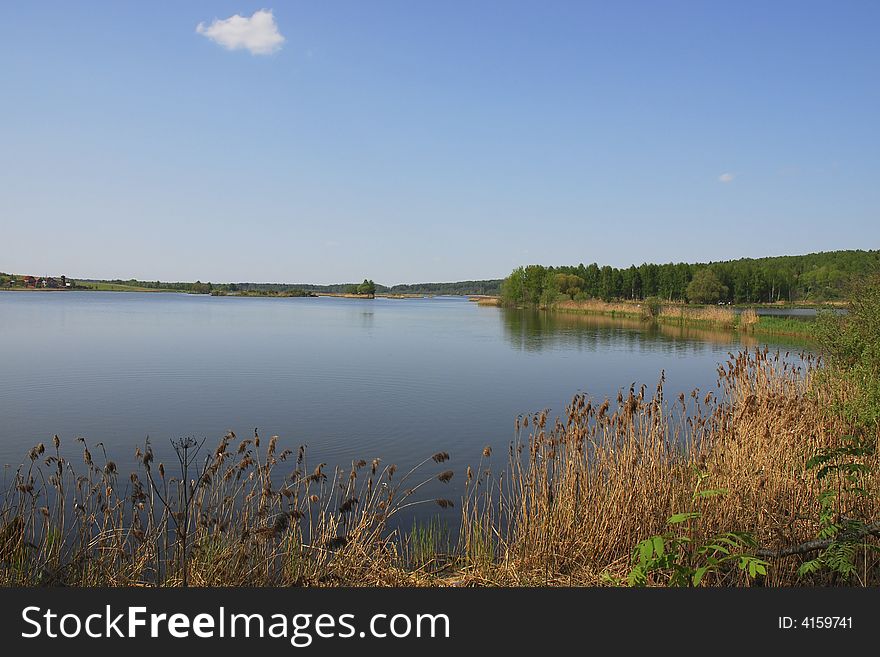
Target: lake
398,379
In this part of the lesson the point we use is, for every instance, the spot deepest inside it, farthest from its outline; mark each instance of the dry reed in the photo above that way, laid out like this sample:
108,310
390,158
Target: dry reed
710,315
566,506
577,494
748,319
669,313
597,306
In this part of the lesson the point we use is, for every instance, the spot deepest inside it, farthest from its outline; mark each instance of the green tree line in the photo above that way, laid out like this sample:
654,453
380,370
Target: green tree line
813,277
489,287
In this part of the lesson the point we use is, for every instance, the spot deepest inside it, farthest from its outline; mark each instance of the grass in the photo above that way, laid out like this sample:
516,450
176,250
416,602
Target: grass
263,293
598,307
580,493
784,326
564,506
225,520
117,287
428,546
698,316
710,317
98,287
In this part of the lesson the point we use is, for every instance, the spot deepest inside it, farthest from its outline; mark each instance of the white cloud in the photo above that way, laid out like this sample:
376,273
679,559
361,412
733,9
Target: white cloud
726,177
259,34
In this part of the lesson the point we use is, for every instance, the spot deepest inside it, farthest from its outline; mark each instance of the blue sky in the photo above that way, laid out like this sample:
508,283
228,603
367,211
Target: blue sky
425,141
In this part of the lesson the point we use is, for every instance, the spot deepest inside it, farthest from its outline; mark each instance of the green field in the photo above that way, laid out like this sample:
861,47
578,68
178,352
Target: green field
117,287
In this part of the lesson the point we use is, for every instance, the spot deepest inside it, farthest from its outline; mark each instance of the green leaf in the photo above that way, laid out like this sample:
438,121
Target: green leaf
746,539
679,518
713,492
818,459
637,577
658,545
830,531
809,567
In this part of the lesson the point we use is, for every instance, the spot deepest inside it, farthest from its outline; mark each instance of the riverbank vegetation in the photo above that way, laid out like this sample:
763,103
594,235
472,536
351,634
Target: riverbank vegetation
521,324
486,301
715,317
769,480
263,293
813,278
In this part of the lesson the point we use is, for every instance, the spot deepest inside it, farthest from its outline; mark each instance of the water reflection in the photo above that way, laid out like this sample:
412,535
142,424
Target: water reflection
535,330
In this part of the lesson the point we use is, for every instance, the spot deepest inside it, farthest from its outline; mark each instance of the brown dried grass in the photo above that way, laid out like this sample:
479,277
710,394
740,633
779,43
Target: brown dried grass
569,502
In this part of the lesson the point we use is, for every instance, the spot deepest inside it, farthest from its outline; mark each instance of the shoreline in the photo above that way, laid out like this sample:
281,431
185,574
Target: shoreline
268,294
698,316
292,294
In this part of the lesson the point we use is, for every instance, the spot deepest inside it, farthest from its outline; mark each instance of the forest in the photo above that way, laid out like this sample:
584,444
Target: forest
815,277
489,287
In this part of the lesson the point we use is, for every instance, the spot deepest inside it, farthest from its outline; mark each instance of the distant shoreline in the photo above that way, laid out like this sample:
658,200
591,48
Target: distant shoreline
250,293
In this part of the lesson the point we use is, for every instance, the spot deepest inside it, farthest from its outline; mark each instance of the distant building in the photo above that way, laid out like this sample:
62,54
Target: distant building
48,282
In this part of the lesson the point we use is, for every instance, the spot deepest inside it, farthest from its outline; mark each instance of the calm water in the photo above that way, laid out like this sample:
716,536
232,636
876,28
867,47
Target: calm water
395,379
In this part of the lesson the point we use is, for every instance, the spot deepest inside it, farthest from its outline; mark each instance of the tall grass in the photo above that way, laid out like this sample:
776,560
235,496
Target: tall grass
597,306
578,493
784,326
707,315
227,519
748,319
565,505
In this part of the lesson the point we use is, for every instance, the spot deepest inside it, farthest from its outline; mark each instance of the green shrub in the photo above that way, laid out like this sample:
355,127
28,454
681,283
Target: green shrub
651,308
850,345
